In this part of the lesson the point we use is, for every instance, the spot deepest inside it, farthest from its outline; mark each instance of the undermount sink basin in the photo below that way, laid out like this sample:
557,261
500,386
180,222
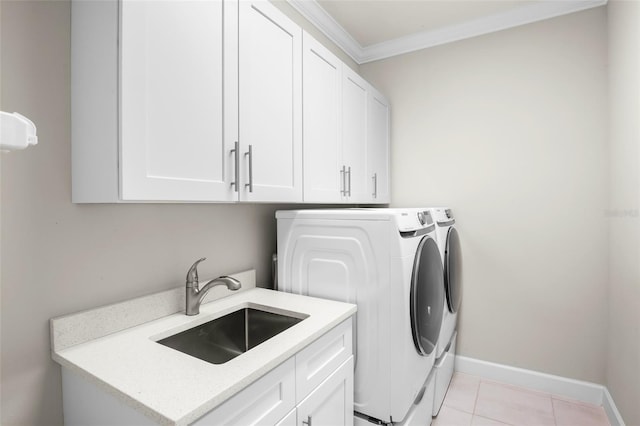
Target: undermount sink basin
224,338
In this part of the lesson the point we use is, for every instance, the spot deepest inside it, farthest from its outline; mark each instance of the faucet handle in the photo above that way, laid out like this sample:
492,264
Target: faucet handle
192,275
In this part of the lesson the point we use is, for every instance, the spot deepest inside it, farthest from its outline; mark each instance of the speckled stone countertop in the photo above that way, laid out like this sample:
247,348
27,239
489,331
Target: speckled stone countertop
176,389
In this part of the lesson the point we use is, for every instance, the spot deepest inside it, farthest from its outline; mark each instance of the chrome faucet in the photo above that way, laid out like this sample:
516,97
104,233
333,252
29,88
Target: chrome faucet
195,294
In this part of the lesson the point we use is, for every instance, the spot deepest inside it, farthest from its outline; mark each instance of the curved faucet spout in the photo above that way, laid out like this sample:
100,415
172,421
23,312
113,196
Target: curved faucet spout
195,294
231,283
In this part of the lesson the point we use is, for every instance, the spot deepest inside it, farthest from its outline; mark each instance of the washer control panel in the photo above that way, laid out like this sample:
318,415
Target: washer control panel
414,220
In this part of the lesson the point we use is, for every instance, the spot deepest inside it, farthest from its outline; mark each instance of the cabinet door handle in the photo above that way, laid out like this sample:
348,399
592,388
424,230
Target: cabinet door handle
307,422
375,185
343,184
236,152
349,173
250,154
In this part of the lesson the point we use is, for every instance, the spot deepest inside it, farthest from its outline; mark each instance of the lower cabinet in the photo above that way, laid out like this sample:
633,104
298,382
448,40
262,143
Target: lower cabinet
312,388
331,404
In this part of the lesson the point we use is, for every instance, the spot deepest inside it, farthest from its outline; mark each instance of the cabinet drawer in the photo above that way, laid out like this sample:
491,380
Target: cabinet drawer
317,361
265,402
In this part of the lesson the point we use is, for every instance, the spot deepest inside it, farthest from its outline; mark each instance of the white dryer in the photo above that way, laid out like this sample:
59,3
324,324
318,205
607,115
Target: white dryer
451,255
387,262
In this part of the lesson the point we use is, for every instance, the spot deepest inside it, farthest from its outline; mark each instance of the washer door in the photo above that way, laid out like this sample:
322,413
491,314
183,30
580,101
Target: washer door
427,296
453,270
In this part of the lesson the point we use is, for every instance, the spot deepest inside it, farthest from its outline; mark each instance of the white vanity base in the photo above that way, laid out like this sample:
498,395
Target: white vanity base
316,384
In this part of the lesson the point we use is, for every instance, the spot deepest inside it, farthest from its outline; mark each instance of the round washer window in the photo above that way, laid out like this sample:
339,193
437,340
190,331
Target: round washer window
453,270
427,296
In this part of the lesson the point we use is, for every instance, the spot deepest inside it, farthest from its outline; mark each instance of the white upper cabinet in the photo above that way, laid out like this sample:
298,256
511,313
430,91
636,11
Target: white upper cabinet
354,136
202,101
378,147
322,112
346,132
154,100
178,64
270,104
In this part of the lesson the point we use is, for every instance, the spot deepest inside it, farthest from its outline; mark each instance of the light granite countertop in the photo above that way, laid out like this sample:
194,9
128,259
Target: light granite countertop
176,389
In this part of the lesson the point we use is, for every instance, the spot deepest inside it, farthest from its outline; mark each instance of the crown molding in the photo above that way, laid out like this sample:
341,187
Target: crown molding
502,21
312,10
319,17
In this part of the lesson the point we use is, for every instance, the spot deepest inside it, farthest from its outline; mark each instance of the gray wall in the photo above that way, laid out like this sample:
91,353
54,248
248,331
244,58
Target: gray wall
623,361
509,129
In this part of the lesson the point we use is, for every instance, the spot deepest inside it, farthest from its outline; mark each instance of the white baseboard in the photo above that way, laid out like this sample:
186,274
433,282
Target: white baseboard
568,388
610,408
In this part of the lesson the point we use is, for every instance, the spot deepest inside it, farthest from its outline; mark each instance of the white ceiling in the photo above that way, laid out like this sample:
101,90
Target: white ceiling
373,22
369,30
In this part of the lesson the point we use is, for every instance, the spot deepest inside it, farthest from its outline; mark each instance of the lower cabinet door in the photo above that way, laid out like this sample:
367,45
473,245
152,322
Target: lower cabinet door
331,403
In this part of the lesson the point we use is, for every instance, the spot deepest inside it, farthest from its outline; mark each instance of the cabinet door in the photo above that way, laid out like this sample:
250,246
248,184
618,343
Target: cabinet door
178,67
354,135
270,104
331,404
321,109
378,147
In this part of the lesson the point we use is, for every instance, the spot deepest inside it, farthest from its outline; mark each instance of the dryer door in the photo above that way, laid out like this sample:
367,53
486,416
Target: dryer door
427,296
453,270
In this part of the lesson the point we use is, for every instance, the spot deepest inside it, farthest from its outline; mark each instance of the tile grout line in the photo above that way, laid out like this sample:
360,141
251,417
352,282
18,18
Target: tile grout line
475,402
520,388
553,410
547,395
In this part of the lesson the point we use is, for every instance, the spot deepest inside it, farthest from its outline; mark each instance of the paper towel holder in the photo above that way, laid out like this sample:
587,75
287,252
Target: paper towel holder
16,132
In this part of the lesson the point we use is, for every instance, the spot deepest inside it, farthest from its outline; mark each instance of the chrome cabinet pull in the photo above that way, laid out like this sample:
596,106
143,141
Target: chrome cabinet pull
236,151
250,154
349,173
375,185
307,422
343,186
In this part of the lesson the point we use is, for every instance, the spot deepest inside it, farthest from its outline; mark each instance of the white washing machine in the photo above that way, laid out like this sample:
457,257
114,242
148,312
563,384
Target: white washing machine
387,262
450,252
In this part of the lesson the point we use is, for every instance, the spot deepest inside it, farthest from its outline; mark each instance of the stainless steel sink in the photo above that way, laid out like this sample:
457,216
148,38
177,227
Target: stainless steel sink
224,338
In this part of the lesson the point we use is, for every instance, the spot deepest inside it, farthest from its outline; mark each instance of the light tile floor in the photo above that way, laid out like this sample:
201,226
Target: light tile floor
472,401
